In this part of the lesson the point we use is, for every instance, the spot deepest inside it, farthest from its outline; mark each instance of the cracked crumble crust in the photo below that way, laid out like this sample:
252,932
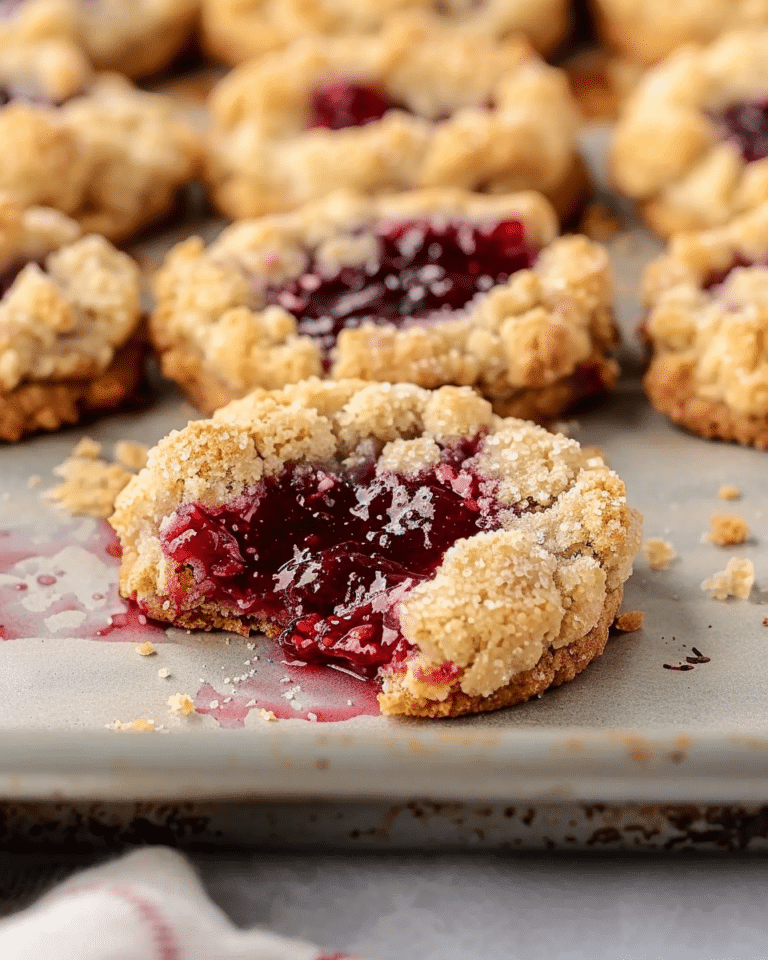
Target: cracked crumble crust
709,365
113,158
68,328
649,30
237,30
667,150
517,608
532,345
135,39
263,159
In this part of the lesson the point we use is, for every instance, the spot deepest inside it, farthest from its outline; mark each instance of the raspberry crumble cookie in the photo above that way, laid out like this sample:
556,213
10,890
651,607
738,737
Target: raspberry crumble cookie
134,38
93,146
692,145
463,561
707,329
418,105
432,287
69,317
648,30
236,30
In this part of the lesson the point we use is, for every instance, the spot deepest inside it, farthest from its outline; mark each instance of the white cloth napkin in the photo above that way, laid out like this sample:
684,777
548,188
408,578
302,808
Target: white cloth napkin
148,905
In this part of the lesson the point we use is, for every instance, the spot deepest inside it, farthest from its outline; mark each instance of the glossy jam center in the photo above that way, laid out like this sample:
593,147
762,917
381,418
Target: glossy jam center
747,127
346,103
421,271
326,556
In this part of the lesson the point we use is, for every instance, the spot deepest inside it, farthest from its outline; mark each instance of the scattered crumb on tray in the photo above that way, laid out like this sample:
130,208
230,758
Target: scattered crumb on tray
181,703
139,725
163,673
765,621
131,455
91,484
598,222
146,649
87,448
659,553
267,715
727,492
630,621
735,581
727,530
34,481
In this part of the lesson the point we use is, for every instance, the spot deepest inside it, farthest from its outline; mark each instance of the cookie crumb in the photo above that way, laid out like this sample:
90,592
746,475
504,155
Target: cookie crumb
87,448
34,481
629,622
91,484
659,553
267,715
727,530
599,222
163,673
139,725
181,703
765,621
727,492
146,649
735,581
131,455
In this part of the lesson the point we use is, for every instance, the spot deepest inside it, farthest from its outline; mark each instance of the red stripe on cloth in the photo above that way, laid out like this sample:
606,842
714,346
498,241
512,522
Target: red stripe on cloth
162,931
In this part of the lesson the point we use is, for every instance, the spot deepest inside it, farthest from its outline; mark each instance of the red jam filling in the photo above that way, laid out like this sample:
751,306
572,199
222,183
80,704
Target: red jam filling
421,271
327,555
346,103
747,126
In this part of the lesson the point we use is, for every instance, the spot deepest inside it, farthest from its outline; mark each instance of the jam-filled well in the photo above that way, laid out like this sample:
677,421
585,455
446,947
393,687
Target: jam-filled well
323,556
421,271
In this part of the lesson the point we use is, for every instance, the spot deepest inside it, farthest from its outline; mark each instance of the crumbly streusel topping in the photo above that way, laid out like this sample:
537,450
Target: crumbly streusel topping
50,70
236,30
668,150
715,333
113,158
531,331
500,599
263,159
648,30
66,318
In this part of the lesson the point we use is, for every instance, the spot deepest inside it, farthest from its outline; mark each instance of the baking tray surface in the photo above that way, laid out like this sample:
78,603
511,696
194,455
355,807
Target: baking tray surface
629,728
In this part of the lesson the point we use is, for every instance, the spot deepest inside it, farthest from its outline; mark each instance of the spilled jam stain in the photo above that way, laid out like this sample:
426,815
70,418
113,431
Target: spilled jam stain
64,583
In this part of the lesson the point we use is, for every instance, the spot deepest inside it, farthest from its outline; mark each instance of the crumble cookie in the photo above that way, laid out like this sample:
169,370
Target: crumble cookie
463,561
421,104
692,145
69,313
648,30
432,287
134,38
237,30
707,329
114,158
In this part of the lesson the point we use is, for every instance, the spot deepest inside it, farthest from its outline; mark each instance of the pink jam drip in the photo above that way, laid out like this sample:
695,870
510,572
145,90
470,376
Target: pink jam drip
45,592
346,103
421,270
747,126
326,556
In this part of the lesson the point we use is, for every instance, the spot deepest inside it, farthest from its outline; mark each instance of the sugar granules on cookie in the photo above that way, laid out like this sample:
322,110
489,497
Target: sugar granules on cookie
735,581
727,530
92,483
659,553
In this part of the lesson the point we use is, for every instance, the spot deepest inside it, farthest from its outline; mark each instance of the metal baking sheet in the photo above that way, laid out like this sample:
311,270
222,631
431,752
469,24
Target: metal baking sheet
626,731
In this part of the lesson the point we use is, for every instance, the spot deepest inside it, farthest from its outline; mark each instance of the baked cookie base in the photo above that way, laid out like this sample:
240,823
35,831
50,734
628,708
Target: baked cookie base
553,669
45,406
669,387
